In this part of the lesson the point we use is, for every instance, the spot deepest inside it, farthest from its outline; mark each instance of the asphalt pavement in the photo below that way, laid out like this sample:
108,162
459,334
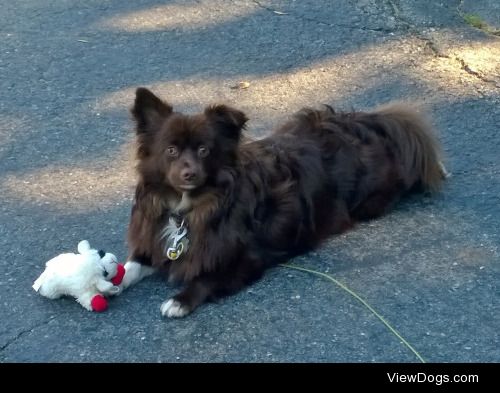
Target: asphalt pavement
431,268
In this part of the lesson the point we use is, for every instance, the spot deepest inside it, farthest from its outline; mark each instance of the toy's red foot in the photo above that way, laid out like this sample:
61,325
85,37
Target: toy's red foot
117,280
99,303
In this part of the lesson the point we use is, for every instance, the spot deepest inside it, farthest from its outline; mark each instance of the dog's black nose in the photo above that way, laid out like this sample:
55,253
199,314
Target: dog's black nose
188,175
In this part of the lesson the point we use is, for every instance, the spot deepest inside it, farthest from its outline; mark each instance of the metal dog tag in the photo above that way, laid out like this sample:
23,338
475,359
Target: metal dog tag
177,243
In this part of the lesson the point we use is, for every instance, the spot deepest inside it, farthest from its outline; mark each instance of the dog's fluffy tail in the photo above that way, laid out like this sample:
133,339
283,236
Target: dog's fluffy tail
419,149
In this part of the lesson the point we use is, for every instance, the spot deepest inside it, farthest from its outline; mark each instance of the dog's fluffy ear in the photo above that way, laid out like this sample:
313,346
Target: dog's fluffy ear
231,121
149,111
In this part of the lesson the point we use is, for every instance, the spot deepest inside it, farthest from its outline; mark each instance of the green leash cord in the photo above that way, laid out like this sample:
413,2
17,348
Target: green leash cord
363,302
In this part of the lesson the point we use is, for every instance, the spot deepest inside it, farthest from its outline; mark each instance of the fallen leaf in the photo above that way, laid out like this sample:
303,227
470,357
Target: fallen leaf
241,85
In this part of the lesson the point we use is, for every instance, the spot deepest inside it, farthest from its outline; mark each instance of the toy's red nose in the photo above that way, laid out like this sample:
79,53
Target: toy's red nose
120,272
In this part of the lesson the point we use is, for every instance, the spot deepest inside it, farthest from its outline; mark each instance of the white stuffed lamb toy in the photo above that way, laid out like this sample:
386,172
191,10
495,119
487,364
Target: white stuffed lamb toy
87,276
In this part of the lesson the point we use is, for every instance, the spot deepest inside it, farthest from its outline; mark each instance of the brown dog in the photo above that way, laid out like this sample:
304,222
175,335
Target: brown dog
215,212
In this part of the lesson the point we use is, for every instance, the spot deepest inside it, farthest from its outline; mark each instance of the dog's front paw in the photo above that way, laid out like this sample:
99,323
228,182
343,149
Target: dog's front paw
115,291
112,291
174,309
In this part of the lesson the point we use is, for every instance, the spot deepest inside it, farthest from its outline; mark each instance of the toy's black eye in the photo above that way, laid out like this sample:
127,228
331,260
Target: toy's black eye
172,151
101,253
105,273
203,151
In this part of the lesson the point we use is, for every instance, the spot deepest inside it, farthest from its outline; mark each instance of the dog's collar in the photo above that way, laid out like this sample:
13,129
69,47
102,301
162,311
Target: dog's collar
178,218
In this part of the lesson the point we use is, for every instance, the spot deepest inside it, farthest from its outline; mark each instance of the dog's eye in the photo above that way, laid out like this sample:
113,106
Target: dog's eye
172,151
203,151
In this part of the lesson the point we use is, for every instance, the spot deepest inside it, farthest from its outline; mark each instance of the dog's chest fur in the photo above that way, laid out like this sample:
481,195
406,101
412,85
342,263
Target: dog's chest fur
194,213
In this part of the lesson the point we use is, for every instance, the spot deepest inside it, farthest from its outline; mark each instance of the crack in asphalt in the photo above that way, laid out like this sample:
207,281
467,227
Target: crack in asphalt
429,43
321,22
404,23
25,331
466,68
459,62
397,15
